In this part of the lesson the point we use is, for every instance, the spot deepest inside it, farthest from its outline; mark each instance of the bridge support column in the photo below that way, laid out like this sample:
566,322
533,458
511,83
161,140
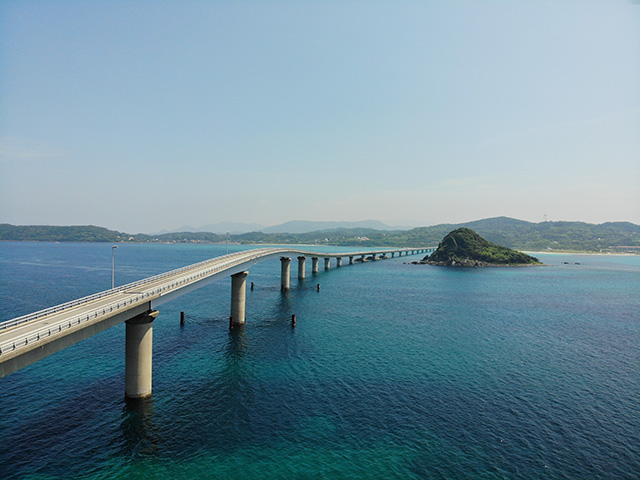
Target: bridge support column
373,256
314,264
238,297
301,265
351,260
392,254
139,355
327,263
339,262
285,273
363,258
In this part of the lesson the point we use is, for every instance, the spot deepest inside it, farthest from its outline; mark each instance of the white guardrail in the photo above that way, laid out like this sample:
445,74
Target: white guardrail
221,263
81,301
58,327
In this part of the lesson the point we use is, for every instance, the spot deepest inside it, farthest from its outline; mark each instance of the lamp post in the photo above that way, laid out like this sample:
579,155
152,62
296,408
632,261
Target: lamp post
227,242
113,266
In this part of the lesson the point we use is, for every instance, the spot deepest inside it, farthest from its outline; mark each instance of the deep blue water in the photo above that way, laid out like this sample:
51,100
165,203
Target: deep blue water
394,371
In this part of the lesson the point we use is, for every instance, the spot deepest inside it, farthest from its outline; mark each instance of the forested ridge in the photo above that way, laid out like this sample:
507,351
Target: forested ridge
504,231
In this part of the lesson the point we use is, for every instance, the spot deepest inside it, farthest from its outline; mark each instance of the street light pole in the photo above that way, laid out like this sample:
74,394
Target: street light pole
227,242
113,266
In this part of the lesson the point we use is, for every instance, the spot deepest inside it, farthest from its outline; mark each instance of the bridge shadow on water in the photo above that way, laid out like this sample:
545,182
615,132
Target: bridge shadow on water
85,414
140,434
224,407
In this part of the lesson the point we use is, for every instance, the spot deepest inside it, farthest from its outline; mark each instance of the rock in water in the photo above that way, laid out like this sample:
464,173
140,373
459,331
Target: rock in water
465,248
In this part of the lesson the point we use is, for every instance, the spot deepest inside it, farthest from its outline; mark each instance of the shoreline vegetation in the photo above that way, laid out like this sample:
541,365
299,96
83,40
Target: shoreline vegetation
543,237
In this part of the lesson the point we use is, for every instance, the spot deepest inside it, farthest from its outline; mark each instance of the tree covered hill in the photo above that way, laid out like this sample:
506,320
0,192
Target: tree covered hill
505,231
47,233
464,247
542,236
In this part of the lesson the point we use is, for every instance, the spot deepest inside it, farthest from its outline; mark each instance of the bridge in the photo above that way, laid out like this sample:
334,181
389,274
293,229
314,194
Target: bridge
29,338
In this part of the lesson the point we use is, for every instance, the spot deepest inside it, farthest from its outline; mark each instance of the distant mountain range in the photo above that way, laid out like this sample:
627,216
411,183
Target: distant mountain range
508,232
295,226
219,228
306,226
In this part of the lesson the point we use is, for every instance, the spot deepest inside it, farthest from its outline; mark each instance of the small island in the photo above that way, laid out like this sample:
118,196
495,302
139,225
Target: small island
465,248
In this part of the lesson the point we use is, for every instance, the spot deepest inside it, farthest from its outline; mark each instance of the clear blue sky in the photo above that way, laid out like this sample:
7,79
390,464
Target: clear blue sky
141,116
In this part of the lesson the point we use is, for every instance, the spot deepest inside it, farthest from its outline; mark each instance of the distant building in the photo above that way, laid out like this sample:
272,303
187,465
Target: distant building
628,248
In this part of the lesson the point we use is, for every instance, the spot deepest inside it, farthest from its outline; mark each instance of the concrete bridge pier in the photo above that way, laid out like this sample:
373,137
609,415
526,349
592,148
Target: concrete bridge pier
339,262
314,264
301,265
392,254
139,355
351,260
327,263
238,297
363,258
285,273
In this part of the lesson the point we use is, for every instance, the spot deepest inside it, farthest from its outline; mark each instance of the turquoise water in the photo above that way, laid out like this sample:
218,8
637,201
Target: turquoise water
393,371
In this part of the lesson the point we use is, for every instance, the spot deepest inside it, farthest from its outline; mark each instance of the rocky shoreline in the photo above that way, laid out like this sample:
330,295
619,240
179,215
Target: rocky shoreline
474,263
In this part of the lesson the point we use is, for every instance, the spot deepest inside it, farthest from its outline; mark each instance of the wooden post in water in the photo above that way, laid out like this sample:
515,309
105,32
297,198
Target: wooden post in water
182,319
293,320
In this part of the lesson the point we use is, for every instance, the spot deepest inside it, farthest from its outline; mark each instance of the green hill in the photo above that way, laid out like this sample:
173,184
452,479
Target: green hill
48,233
464,247
512,233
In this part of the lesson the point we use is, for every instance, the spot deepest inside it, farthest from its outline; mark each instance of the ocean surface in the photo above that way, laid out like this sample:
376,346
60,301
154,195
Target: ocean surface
394,371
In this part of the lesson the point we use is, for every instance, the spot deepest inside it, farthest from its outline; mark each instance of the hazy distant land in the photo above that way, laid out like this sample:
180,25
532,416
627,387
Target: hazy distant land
544,236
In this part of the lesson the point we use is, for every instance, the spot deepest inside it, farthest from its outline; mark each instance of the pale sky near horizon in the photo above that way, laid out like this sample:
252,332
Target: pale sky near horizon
143,116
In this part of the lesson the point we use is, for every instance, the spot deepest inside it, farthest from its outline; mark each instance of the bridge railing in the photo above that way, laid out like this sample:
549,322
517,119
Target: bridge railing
60,326
80,301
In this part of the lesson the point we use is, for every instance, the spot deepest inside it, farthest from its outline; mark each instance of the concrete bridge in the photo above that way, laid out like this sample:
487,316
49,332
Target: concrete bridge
27,339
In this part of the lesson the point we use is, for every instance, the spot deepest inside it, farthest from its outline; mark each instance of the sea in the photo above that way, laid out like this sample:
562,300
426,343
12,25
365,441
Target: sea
393,371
